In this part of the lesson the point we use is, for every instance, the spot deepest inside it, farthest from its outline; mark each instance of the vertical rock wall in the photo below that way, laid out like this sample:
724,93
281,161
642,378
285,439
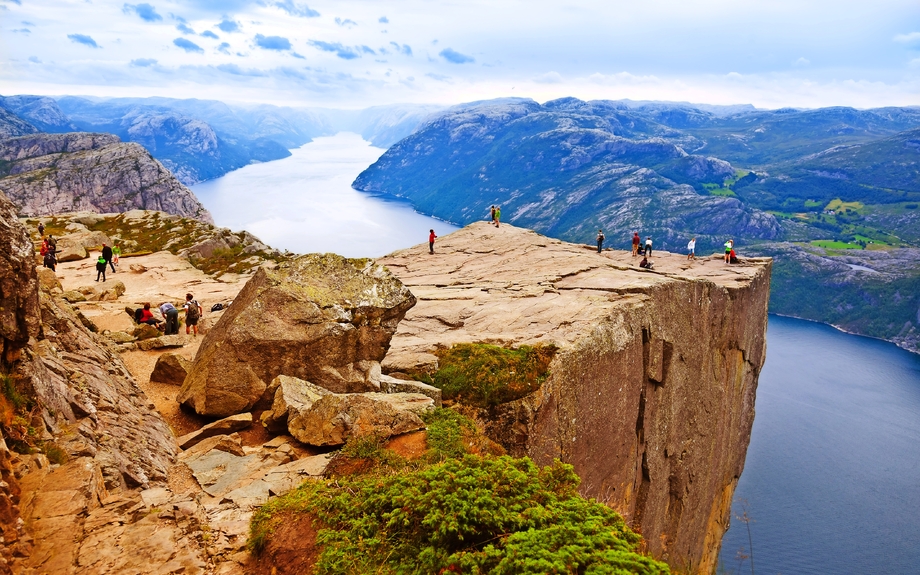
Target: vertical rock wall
654,408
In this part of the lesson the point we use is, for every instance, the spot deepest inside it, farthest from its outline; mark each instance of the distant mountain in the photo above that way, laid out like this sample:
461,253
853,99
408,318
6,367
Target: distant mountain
565,168
189,146
40,111
13,125
45,174
382,126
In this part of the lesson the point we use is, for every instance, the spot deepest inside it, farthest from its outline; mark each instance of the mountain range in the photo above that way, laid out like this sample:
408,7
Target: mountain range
200,140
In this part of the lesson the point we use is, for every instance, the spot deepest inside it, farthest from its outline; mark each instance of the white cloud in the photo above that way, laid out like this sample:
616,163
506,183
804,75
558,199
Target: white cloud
801,62
911,40
549,78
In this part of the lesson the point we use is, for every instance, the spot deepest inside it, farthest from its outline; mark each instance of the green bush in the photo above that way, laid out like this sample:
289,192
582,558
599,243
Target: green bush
487,375
471,515
446,430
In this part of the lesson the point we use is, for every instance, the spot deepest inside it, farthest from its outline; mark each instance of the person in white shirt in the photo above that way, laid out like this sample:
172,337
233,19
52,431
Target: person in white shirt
691,249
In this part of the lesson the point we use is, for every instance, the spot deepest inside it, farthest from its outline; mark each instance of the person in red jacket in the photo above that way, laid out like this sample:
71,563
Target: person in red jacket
635,243
431,238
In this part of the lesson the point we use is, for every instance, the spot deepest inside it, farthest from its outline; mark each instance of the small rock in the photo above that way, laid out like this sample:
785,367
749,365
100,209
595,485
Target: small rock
120,337
220,427
146,331
137,268
73,296
161,342
170,368
393,385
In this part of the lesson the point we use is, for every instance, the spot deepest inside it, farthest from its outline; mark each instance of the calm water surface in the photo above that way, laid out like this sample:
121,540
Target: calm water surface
305,203
832,478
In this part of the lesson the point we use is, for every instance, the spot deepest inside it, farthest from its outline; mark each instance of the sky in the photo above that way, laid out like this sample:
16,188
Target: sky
359,53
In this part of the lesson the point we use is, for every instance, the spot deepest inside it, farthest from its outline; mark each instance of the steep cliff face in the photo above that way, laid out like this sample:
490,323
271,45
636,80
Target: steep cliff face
55,173
69,395
651,395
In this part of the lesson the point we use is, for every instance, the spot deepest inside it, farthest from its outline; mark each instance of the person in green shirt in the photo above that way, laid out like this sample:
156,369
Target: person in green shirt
498,215
116,251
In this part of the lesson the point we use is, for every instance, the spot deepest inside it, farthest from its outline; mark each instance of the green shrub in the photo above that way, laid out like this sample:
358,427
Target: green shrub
446,431
487,375
471,515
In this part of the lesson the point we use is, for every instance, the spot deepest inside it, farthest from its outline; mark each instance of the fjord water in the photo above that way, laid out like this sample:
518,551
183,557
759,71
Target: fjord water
305,203
832,476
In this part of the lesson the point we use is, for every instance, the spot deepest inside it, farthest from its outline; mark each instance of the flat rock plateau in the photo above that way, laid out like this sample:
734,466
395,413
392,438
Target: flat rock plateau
650,397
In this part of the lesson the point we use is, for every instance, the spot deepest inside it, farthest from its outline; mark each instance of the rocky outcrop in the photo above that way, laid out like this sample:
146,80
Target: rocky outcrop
319,317
316,416
56,173
651,394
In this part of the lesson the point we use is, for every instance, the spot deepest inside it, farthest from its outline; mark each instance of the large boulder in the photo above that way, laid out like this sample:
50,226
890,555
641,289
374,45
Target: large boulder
320,317
316,416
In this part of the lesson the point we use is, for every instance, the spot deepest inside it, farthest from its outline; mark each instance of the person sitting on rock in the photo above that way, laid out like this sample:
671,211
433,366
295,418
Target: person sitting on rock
645,263
147,316
100,268
732,258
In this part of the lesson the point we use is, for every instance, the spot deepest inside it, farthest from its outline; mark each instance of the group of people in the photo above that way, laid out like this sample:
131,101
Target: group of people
496,213
48,250
638,249
171,315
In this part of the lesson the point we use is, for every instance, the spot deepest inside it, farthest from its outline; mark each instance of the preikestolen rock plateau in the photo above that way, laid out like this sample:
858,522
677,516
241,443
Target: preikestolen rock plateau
320,317
651,394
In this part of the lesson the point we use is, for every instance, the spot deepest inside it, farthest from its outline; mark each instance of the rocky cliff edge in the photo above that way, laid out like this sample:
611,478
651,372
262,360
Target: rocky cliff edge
651,395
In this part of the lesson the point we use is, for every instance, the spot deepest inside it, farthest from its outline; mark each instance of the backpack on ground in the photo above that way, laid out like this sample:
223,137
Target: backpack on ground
217,307
138,314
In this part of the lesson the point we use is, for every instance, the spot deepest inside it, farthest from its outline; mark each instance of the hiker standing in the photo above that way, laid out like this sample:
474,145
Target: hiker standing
41,229
691,249
729,246
192,313
492,214
600,240
116,252
107,256
171,313
498,215
648,246
431,238
52,243
100,268
636,241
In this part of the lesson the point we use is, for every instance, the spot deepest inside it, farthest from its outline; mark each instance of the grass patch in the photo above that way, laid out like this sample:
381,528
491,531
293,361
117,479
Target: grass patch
842,207
486,375
470,515
835,245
